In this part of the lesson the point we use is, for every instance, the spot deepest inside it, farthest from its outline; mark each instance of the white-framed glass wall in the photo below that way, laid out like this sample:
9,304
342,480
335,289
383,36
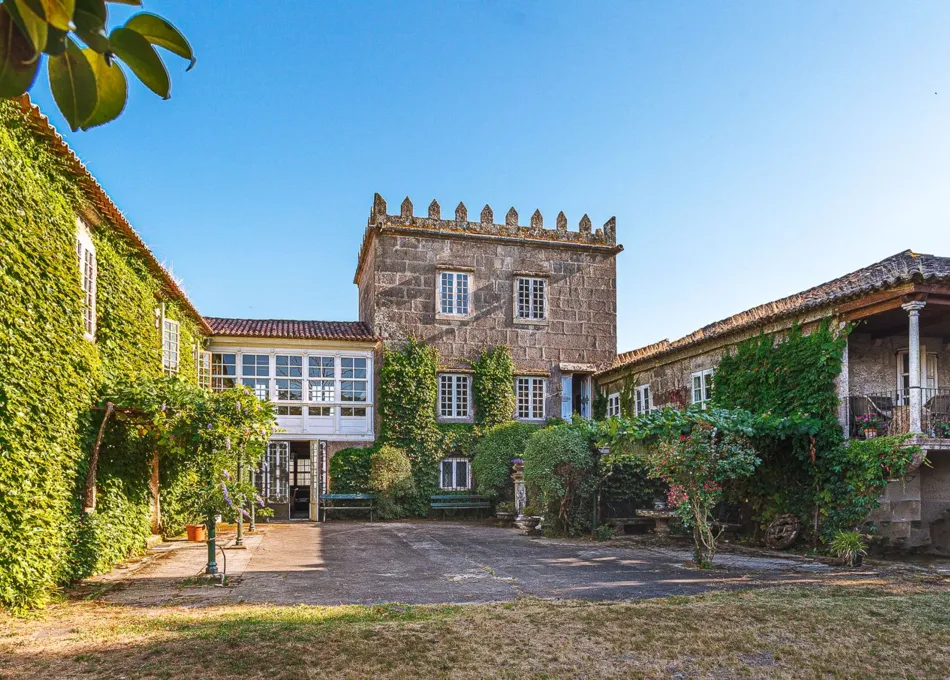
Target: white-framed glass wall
319,391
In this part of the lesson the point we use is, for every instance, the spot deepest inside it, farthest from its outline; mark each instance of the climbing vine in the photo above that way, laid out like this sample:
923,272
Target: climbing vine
493,387
52,378
815,476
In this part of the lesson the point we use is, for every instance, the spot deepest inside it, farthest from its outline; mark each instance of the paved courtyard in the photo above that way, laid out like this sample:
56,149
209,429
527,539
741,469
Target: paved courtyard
432,562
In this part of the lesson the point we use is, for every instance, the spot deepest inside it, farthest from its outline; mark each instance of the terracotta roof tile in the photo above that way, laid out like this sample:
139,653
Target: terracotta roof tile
290,328
904,267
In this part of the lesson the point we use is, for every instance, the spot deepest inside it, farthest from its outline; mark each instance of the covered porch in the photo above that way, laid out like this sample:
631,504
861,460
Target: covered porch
895,380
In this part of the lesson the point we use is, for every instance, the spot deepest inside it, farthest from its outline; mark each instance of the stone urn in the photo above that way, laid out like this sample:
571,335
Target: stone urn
527,523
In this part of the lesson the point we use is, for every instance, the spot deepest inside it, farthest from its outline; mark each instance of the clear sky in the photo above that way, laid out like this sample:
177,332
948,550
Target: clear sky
748,149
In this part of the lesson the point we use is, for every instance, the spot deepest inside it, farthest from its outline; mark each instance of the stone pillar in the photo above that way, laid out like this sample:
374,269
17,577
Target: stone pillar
844,394
913,355
521,495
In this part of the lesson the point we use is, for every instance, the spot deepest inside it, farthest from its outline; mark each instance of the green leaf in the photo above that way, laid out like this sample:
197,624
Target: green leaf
17,63
73,83
90,14
33,26
55,41
159,32
58,13
142,58
111,89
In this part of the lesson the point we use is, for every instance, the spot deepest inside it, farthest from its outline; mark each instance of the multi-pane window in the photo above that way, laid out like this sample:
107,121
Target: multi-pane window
289,377
255,373
86,252
641,400
453,293
453,396
530,303
353,411
203,366
455,475
320,411
321,373
353,380
170,346
529,398
613,404
223,371
702,386
273,477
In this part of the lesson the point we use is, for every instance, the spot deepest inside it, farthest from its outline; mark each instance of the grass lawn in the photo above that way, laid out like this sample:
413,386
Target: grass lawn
861,630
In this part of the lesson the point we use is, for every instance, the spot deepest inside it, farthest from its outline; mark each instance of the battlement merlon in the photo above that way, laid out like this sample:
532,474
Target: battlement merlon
486,228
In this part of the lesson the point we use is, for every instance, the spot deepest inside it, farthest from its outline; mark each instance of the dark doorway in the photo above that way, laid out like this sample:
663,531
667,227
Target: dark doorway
580,394
301,475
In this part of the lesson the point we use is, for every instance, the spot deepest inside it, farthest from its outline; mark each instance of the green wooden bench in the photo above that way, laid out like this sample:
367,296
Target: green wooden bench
353,497
446,502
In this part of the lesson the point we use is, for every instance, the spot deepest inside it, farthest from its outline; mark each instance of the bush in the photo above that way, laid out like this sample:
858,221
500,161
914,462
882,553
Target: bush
558,469
626,485
391,479
349,470
491,466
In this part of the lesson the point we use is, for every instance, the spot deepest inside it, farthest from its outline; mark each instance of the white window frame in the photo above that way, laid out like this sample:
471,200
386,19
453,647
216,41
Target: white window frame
260,381
88,273
219,373
529,309
203,368
455,396
642,400
454,293
526,406
171,346
613,404
285,383
929,372
454,462
353,379
704,389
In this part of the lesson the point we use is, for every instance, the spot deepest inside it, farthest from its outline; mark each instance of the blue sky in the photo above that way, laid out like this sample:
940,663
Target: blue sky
748,149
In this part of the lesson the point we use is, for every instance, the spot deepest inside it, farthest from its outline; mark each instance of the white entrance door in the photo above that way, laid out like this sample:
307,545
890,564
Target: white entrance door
567,396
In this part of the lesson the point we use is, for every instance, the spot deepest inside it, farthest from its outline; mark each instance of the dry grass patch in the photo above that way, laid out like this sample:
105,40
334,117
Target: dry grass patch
837,631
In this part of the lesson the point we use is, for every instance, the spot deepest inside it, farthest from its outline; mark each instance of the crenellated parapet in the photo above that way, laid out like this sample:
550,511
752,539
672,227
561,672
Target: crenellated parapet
486,225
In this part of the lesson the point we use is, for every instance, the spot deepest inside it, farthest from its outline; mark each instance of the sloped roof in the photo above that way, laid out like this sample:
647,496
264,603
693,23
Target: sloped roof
904,267
99,200
356,331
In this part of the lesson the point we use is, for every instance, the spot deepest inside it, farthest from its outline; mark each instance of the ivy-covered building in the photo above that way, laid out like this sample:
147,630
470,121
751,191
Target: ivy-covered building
893,375
84,305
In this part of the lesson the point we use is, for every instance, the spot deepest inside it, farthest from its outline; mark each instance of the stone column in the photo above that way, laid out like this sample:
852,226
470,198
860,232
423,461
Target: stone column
913,355
521,496
844,394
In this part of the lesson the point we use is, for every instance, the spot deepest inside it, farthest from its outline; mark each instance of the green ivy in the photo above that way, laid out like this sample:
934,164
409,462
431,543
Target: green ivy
493,386
52,376
796,376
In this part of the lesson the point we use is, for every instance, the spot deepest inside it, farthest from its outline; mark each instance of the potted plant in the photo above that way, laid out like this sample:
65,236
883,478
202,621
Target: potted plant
849,547
528,519
871,425
197,532
505,511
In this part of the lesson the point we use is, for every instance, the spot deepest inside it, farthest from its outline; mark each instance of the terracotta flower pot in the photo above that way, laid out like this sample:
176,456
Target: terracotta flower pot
197,532
870,433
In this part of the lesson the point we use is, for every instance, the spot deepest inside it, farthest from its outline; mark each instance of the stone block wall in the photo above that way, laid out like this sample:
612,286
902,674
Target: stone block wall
399,272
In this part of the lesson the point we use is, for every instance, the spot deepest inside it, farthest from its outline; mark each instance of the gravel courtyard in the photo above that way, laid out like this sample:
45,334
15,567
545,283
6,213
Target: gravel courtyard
434,562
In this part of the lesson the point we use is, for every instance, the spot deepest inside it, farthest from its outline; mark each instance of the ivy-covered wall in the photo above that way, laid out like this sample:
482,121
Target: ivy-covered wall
51,377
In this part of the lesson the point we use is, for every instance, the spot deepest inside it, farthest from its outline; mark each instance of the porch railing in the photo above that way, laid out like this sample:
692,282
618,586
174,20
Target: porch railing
889,413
